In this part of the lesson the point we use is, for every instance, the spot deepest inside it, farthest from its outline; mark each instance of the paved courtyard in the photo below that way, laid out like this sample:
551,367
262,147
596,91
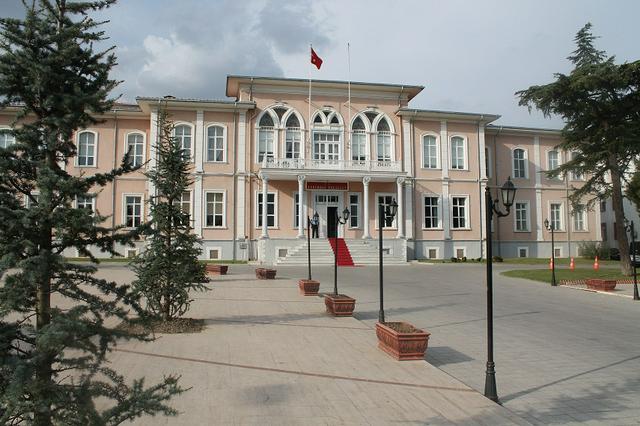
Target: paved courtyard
270,356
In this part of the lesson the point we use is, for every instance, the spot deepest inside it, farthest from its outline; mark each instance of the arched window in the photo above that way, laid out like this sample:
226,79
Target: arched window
86,149
519,163
135,149
429,152
182,133
358,141
215,144
384,140
458,153
293,137
6,138
265,137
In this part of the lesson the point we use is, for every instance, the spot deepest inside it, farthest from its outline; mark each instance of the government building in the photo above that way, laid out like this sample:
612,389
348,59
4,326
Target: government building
276,152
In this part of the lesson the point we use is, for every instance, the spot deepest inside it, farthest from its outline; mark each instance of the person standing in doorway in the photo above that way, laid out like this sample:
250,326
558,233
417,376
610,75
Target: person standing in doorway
315,223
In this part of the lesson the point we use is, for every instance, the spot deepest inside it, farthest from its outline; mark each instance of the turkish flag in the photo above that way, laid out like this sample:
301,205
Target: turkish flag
315,59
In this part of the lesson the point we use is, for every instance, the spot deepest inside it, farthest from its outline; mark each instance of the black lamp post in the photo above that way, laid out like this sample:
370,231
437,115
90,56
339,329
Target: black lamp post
385,217
315,218
550,227
508,193
630,227
339,221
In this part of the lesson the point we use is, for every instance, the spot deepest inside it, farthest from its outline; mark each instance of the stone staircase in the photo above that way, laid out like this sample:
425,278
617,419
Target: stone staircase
363,252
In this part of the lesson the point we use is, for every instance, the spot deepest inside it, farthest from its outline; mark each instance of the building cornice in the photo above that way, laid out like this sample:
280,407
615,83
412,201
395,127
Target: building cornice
427,114
494,129
149,103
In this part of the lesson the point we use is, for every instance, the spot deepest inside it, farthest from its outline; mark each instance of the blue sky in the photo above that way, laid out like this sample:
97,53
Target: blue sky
471,55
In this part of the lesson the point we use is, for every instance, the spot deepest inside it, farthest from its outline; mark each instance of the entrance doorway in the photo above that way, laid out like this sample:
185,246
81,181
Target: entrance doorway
332,226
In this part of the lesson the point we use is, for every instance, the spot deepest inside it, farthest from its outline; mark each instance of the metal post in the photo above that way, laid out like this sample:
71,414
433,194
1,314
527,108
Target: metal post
490,390
553,257
309,245
635,276
335,259
381,221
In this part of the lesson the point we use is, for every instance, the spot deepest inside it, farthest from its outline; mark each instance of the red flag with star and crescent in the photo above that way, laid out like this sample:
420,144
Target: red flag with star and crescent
315,59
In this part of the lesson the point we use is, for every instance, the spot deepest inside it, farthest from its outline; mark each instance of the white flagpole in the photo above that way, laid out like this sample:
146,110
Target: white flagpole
349,89
309,115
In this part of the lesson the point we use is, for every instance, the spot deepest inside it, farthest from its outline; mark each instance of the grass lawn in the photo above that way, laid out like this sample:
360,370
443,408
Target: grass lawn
560,261
544,275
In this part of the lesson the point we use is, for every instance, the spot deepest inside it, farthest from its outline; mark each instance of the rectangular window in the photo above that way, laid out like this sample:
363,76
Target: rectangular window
359,146
522,216
185,204
6,138
86,149
296,206
432,253
265,144
519,163
215,144
458,154
214,209
579,218
326,146
553,160
354,209
293,142
603,231
556,216
271,209
135,146
431,214
523,252
461,252
429,152
385,200
576,175
182,133
384,146
132,211
86,202
459,214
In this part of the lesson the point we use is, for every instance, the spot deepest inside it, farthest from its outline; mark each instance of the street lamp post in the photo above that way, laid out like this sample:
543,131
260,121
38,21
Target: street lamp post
339,221
630,227
315,218
508,193
385,218
550,227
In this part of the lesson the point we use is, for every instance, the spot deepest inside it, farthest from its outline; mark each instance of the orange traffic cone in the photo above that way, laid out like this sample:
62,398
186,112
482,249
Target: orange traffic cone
572,265
596,265
550,263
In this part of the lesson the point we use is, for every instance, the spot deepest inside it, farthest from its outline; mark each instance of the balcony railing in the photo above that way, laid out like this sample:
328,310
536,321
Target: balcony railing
344,165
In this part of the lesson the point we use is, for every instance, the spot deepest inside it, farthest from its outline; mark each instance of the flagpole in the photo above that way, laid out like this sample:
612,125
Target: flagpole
349,90
309,114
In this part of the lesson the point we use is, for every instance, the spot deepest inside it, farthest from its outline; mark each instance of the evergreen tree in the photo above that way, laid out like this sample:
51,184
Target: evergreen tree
169,269
600,104
53,337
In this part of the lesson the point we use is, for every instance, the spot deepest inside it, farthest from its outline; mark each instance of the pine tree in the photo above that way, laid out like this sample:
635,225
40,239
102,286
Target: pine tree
600,104
53,334
169,269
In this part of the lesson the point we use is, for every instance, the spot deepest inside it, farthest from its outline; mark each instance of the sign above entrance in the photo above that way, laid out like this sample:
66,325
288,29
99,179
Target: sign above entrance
335,186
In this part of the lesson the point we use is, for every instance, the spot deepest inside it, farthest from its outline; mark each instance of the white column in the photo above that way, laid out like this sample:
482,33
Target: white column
365,207
409,211
197,205
242,142
400,213
301,198
199,141
446,223
265,230
153,144
537,170
240,207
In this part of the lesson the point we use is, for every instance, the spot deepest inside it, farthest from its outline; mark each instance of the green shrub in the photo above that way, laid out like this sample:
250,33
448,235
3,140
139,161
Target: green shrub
591,249
498,259
454,259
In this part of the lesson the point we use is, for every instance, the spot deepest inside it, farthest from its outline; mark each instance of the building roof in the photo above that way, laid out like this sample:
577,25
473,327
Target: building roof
522,130
448,115
234,81
146,102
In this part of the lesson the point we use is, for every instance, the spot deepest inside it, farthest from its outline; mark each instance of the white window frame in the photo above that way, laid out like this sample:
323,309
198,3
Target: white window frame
526,249
465,152
192,147
562,215
527,216
365,135
559,249
205,205
92,197
295,209
224,142
525,159
359,204
437,140
27,199
95,149
575,177
439,206
585,219
144,144
377,208
124,207
391,133
10,131
467,216
549,151
258,217
464,251
437,249
191,205
209,249
340,144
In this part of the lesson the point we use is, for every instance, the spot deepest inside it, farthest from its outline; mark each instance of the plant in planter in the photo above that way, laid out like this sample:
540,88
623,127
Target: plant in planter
265,274
217,269
337,304
601,285
401,340
309,287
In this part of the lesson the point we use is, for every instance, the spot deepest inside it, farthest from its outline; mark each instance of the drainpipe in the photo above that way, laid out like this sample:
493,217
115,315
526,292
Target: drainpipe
235,174
567,215
413,186
115,179
480,185
495,161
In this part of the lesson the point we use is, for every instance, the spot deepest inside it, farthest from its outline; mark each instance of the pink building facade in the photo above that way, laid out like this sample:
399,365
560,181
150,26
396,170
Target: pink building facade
270,156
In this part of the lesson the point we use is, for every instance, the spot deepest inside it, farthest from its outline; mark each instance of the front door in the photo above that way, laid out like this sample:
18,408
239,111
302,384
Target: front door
332,227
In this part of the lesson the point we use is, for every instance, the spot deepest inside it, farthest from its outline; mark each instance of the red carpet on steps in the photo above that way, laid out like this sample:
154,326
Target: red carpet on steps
344,256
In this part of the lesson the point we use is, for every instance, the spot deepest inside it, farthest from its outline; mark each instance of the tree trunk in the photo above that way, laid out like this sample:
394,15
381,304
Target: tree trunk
618,210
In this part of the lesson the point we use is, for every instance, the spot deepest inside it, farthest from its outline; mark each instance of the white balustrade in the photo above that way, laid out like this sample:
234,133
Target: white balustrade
346,165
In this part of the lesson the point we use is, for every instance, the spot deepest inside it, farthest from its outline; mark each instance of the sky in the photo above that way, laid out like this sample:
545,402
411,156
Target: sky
471,56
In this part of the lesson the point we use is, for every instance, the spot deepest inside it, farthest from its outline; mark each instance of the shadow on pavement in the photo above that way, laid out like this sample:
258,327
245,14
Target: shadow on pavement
443,355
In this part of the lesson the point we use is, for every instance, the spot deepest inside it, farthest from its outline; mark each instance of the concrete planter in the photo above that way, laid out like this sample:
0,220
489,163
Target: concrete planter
217,269
309,287
402,341
339,305
601,285
265,274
